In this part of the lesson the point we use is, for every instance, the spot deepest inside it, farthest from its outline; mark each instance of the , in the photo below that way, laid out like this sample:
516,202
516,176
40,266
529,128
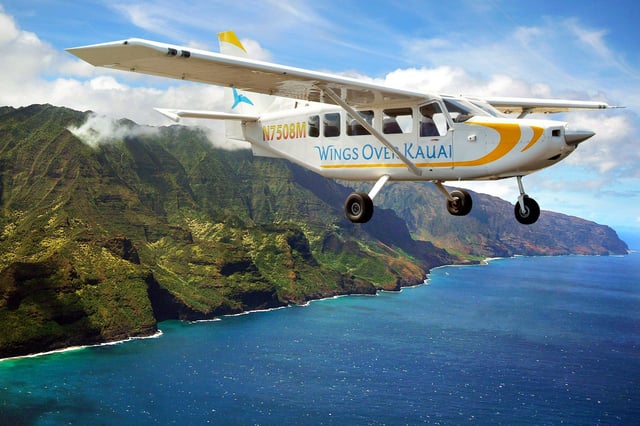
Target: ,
348,129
